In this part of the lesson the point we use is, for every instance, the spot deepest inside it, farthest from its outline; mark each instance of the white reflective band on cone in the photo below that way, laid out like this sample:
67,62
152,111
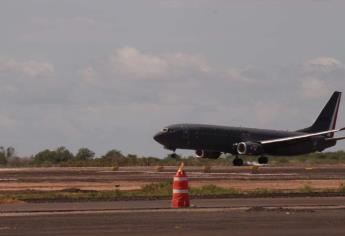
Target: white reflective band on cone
180,190
180,178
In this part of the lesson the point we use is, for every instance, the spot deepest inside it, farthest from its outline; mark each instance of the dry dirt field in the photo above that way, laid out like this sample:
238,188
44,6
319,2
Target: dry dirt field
131,178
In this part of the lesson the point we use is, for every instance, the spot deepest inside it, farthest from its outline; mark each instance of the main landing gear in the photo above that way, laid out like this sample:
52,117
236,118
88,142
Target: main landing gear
237,161
263,160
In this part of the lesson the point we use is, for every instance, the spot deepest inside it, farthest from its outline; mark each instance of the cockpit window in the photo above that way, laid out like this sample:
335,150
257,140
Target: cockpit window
165,130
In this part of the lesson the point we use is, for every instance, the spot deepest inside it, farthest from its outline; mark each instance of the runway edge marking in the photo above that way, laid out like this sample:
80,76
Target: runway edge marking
157,210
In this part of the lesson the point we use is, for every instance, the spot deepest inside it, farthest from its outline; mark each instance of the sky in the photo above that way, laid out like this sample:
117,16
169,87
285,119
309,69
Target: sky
109,74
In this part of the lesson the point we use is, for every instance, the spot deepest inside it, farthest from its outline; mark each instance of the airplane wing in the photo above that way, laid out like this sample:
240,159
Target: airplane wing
303,136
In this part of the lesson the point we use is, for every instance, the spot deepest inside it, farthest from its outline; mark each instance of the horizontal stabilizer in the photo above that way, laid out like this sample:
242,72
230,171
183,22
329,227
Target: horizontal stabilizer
335,139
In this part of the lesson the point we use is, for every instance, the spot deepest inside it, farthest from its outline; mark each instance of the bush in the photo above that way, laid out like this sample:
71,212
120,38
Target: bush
3,159
113,157
48,157
62,154
84,154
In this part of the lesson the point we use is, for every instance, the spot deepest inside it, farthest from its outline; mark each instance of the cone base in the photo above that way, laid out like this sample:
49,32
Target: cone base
180,200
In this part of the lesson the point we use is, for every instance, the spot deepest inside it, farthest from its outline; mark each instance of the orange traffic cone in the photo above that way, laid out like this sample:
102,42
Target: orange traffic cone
180,189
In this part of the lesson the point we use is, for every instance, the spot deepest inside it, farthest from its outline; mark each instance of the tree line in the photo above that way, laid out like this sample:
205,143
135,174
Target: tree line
61,156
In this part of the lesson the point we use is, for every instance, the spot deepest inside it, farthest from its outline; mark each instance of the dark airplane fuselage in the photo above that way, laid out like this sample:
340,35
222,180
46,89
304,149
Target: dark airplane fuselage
223,138
209,141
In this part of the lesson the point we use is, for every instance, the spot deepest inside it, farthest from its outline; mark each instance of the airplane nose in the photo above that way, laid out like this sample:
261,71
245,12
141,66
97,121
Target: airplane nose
158,137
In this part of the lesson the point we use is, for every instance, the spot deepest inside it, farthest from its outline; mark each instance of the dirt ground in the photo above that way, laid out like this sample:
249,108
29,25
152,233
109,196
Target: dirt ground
131,178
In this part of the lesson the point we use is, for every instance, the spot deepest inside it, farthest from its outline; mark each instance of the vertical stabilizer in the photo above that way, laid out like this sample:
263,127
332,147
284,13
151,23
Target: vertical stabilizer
328,116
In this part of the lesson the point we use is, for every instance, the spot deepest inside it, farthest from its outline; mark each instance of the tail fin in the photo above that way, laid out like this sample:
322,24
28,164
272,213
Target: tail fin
328,116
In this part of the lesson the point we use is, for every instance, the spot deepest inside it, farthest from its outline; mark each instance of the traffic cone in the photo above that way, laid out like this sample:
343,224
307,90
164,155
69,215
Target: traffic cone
180,189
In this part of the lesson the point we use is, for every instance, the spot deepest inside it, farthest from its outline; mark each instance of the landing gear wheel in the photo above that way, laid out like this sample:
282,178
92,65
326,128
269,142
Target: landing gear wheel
237,162
263,160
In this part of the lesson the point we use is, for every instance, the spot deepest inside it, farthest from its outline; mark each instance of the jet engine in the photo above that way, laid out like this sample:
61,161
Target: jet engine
250,148
207,154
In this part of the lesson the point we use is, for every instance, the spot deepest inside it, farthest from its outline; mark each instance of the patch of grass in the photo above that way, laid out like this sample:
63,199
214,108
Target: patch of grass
212,189
115,168
307,189
156,189
151,191
341,187
206,169
282,160
159,168
10,201
262,191
60,195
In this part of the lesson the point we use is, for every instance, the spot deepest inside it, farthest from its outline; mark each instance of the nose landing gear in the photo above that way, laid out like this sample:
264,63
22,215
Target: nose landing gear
173,155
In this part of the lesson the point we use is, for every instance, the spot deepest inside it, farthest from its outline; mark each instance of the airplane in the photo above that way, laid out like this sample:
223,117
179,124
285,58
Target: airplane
210,141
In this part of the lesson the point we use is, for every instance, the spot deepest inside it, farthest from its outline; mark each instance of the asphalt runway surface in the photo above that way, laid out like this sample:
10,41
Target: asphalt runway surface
233,216
256,216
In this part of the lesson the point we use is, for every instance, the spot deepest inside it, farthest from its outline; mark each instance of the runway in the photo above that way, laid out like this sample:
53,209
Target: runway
256,216
233,216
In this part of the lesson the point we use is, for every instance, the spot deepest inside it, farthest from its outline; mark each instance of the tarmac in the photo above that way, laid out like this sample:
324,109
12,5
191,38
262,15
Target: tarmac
293,215
255,216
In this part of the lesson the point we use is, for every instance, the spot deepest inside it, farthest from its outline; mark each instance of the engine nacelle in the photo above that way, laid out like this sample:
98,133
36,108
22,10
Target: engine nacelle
207,154
250,148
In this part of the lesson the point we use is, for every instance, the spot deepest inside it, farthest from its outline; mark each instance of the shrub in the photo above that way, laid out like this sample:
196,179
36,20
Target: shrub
3,159
84,154
48,157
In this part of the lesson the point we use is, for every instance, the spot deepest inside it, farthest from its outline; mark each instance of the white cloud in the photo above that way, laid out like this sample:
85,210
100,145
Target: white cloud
29,68
31,82
240,75
321,75
322,64
130,62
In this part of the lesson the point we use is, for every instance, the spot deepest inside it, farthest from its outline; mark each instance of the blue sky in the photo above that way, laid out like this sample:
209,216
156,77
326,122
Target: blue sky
109,74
